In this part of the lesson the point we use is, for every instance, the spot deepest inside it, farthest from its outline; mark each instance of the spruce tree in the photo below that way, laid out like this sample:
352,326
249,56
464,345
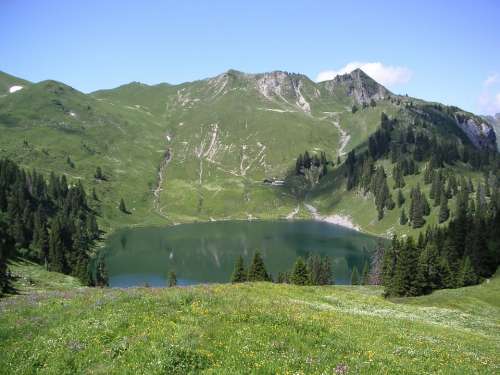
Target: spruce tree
404,282
428,277
417,209
446,278
355,280
122,206
400,199
389,262
299,275
326,277
239,274
56,248
444,211
403,219
314,270
98,174
257,270
376,264
283,278
428,174
466,275
101,277
94,195
365,275
397,175
172,279
425,205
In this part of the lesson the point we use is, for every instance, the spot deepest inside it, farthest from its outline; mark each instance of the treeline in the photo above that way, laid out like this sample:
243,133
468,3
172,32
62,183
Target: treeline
406,148
462,254
315,270
50,223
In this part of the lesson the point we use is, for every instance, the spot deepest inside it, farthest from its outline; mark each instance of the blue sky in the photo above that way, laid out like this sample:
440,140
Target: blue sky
448,51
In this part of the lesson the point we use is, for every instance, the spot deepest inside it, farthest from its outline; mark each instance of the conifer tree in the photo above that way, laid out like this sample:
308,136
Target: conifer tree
257,270
94,195
122,206
470,185
355,280
172,279
403,219
389,261
404,282
428,277
98,174
466,275
425,205
400,199
283,278
376,264
299,275
444,211
445,275
7,246
480,200
56,248
428,174
314,270
417,209
365,275
397,175
326,272
101,276
239,274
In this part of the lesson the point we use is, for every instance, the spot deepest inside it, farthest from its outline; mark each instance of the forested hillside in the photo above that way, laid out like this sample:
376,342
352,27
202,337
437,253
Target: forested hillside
50,223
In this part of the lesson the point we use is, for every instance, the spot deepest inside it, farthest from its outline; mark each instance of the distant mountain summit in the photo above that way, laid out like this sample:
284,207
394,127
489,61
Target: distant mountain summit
358,85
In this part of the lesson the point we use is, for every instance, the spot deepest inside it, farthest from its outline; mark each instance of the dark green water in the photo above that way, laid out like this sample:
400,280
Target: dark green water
206,252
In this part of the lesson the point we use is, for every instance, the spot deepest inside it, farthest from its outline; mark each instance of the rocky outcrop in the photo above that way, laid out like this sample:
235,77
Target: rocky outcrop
288,87
358,85
480,133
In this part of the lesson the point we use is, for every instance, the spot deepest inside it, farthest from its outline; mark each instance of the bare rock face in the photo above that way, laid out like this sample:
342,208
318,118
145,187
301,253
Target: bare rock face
285,86
358,85
481,134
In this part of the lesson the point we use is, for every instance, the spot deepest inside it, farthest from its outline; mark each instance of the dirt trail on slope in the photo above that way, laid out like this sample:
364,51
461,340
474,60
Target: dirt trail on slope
344,138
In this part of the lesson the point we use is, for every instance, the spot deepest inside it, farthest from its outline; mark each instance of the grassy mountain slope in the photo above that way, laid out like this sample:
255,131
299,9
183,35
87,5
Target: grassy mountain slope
45,124
247,328
201,150
7,81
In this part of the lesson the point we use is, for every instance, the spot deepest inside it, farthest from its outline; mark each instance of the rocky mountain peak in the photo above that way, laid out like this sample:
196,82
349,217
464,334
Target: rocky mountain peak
358,85
291,88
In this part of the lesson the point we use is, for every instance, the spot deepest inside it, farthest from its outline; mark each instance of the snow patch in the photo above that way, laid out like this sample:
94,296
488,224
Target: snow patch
15,88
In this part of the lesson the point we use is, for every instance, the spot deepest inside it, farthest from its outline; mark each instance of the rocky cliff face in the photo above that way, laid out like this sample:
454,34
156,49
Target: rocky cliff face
288,87
480,133
358,85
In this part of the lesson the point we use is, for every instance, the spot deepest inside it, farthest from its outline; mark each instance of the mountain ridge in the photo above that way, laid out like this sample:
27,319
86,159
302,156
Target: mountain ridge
223,136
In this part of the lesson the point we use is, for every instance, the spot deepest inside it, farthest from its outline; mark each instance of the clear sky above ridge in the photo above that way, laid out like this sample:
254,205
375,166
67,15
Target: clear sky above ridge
448,51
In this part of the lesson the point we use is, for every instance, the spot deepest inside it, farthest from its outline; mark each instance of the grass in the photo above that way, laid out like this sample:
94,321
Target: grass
248,328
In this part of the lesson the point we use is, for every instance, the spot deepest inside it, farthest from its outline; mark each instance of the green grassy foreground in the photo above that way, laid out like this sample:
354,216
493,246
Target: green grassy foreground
56,327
